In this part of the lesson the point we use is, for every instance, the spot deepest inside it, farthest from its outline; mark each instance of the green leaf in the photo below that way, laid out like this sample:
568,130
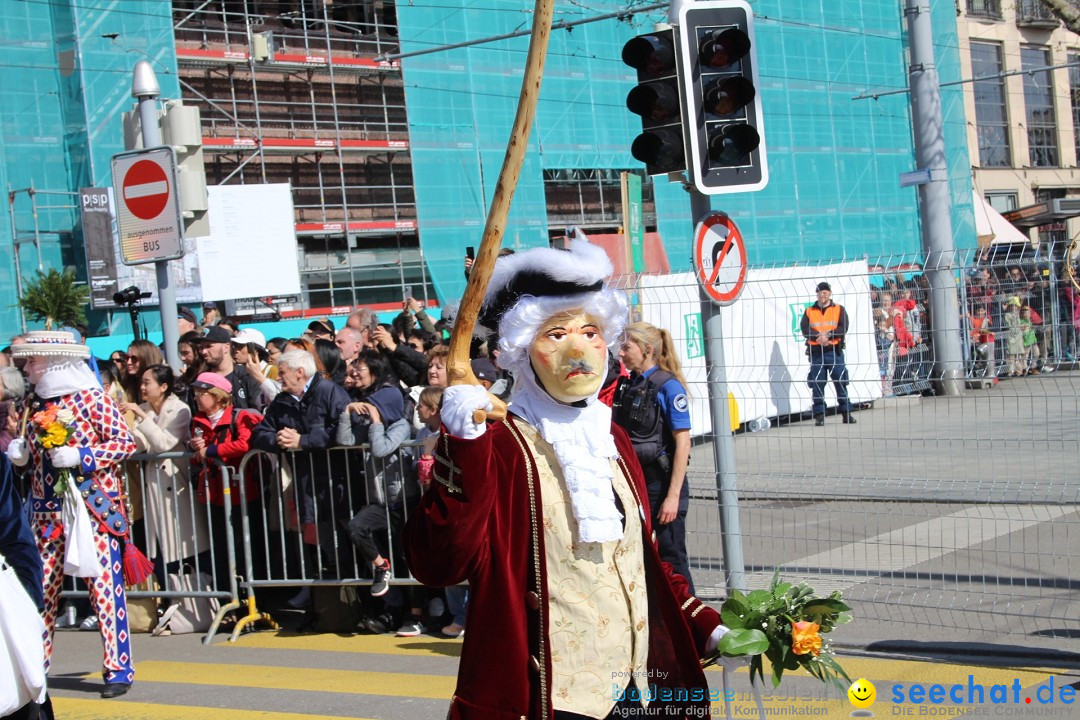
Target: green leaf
759,597
843,618
775,580
734,611
756,667
781,589
824,607
741,641
732,619
830,662
777,674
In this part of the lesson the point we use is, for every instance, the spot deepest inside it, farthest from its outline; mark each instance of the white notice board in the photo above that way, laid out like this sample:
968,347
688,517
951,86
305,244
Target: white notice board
251,249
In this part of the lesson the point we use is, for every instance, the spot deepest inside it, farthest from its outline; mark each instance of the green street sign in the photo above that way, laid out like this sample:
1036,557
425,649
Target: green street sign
695,339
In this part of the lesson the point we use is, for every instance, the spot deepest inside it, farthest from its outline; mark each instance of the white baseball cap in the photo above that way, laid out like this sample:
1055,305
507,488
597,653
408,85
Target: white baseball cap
249,335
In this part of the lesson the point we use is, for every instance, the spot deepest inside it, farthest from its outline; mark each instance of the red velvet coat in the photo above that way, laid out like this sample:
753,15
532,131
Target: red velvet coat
481,521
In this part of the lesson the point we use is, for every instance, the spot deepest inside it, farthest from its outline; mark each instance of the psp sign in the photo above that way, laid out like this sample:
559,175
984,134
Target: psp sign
148,211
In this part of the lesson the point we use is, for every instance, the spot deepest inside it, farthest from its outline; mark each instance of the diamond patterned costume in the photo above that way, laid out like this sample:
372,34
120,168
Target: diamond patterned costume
104,442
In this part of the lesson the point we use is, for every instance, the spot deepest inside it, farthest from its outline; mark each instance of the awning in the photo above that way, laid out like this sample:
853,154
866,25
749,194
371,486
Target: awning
992,228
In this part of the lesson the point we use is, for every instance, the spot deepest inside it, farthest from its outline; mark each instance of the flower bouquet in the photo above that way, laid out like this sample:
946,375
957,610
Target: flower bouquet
784,624
55,427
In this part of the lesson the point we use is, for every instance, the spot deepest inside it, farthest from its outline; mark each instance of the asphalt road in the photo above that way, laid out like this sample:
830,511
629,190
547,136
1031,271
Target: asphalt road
944,521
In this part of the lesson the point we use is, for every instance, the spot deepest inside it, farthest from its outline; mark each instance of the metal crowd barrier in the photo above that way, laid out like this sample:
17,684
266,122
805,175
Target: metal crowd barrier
295,530
177,533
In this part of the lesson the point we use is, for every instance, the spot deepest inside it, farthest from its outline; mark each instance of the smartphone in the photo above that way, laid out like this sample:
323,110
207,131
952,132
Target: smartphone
407,292
470,252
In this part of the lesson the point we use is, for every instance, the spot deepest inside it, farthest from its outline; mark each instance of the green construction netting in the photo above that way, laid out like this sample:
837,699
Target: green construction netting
64,82
834,161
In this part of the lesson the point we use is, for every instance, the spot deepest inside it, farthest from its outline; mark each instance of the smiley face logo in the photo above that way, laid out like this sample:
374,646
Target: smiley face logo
862,693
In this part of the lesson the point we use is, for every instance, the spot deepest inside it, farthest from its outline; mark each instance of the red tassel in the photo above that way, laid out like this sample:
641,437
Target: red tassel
136,565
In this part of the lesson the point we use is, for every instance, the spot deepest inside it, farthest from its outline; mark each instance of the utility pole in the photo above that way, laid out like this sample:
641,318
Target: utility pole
934,203
727,491
145,89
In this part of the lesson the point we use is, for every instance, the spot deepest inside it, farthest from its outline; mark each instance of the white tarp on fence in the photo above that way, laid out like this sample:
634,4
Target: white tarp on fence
763,347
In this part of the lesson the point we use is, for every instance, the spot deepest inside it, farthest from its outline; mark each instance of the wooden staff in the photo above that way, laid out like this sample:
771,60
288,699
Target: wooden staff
458,367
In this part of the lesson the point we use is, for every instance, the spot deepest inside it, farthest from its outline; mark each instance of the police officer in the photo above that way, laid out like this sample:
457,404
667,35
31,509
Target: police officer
652,406
825,325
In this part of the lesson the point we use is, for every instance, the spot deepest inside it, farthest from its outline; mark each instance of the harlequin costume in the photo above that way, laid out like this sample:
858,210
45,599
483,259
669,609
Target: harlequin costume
100,443
571,611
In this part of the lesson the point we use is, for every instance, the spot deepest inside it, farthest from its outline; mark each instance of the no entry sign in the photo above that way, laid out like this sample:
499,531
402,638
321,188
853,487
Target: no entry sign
720,258
146,189
148,212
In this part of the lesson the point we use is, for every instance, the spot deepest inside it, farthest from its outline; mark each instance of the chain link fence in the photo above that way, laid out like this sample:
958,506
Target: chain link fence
942,518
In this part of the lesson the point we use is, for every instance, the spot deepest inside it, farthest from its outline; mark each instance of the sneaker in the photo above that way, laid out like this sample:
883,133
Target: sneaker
91,623
411,628
453,630
301,599
381,584
67,619
380,623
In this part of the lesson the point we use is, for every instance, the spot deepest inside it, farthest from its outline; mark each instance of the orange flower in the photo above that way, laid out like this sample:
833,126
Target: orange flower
805,638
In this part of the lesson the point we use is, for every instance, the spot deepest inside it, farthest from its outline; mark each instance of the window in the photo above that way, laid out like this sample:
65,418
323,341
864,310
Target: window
592,199
991,114
1074,92
984,8
1039,103
1003,202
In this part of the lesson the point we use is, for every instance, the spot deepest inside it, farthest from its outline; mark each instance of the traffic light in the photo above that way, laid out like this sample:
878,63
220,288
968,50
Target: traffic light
180,127
725,127
657,100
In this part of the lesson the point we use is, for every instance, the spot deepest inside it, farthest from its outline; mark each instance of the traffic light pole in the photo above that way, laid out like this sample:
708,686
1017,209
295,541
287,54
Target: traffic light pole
145,89
934,203
720,412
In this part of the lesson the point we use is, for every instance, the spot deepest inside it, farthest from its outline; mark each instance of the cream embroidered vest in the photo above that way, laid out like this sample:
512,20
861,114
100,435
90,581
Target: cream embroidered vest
598,604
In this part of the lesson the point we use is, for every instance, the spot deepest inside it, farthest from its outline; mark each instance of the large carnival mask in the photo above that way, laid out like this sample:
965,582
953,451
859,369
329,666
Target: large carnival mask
569,356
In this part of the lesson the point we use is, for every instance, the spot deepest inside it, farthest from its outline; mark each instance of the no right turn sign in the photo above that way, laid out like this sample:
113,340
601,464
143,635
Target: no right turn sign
720,258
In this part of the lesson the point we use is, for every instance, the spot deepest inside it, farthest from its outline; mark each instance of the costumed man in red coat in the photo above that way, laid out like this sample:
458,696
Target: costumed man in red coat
571,612
87,541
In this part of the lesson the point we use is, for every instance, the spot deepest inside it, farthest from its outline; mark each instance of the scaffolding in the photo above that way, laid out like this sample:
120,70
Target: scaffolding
292,92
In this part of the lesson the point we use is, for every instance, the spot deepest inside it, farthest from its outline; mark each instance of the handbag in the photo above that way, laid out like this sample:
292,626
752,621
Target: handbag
22,645
190,614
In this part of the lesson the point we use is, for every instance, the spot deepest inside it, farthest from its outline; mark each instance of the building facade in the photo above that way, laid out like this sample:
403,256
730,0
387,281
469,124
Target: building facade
1023,128
393,161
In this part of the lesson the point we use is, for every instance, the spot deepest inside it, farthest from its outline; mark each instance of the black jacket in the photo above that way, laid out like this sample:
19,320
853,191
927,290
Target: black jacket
246,391
16,539
314,416
319,473
409,365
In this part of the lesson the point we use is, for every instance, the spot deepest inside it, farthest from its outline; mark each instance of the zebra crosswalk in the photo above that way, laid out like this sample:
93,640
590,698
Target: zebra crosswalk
289,676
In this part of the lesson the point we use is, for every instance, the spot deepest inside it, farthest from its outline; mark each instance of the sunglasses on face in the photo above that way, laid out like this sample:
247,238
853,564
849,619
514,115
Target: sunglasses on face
119,358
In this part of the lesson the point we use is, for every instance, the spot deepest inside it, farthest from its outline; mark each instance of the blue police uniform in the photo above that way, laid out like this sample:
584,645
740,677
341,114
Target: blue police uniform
666,409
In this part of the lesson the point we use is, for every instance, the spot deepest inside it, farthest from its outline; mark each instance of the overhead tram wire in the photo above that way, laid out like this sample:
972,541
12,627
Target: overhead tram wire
998,76
623,14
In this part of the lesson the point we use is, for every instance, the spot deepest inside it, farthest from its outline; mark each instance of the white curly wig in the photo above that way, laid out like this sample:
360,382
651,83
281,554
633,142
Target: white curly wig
529,287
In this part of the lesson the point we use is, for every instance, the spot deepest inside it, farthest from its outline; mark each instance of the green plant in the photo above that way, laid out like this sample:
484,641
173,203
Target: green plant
55,298
784,624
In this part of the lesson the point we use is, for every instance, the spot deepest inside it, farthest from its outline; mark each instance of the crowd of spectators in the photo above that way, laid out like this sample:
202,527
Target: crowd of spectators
1008,315
308,402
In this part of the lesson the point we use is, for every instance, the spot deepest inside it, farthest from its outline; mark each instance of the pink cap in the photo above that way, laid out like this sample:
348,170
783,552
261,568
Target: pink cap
209,380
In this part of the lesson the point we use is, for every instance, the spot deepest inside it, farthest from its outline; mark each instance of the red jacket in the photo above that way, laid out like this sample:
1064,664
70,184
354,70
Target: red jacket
229,447
481,521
